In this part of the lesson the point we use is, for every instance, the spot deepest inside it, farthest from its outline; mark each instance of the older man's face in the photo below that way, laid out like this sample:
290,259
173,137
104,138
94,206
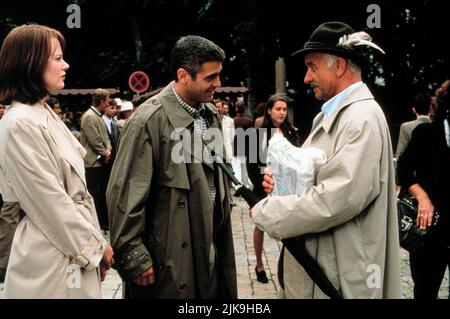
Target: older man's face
321,77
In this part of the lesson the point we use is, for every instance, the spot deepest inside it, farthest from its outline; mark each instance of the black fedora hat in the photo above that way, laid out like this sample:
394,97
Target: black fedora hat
328,38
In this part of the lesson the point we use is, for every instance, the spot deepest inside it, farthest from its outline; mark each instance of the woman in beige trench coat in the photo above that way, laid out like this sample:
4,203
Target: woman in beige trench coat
58,250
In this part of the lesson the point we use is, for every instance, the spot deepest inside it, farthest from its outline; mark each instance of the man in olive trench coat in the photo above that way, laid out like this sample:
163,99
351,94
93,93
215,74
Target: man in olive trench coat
170,221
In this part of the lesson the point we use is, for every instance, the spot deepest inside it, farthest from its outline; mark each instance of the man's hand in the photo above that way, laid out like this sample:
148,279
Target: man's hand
146,278
268,183
107,155
108,260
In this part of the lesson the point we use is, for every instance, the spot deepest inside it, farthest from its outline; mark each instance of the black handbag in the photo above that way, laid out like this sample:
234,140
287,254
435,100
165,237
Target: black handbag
412,237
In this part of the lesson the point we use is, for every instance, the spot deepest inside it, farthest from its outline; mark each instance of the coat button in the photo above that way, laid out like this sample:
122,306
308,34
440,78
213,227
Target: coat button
185,245
181,204
183,285
162,266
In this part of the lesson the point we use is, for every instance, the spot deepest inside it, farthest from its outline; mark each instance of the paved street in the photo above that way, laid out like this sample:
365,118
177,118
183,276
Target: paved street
248,286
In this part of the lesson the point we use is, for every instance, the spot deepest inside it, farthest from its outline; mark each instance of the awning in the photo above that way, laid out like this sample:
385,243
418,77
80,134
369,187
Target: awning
232,89
222,89
147,95
81,91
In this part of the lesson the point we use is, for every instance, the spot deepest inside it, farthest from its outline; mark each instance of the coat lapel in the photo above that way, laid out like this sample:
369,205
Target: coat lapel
326,123
74,152
180,119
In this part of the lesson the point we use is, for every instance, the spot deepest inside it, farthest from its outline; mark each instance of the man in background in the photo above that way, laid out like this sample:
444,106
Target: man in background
94,138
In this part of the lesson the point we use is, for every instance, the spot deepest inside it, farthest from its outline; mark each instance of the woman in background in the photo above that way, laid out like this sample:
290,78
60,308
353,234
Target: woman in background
275,120
424,170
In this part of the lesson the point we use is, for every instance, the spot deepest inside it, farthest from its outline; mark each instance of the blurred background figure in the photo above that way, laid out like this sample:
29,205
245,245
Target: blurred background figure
125,111
424,170
228,133
109,117
94,138
258,114
275,119
242,122
420,109
54,104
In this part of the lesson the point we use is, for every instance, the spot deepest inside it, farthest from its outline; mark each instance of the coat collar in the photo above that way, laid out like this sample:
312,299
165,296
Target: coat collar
359,94
41,115
36,111
178,117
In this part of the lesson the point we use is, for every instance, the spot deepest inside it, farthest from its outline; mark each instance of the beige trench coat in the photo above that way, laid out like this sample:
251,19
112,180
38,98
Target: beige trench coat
58,245
350,215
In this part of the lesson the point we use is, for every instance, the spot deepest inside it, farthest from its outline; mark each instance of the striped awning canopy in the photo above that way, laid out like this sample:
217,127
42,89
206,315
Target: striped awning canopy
222,89
232,89
81,91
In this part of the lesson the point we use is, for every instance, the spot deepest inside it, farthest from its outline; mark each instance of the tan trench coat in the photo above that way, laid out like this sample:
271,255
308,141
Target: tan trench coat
350,215
58,245
94,137
155,205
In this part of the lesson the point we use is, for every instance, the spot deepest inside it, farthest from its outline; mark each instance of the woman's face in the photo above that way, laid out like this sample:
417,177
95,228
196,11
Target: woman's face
55,72
278,113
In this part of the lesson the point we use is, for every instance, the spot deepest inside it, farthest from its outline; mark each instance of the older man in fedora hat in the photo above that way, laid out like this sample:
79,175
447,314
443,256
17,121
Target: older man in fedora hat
349,217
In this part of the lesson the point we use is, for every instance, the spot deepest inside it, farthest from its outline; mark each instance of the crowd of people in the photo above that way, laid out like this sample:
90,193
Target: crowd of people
67,179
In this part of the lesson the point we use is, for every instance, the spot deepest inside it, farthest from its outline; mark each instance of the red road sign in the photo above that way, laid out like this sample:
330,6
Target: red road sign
139,81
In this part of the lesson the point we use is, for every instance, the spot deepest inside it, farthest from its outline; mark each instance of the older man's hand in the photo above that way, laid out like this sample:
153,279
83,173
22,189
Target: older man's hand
268,183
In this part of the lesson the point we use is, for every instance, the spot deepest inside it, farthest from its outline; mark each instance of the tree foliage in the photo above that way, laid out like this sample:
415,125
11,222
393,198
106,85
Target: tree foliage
103,52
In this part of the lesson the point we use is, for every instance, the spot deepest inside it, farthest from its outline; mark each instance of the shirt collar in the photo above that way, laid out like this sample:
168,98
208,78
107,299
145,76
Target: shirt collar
96,111
329,106
191,110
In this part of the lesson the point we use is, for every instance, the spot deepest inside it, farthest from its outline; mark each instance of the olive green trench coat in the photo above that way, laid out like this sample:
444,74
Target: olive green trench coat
156,204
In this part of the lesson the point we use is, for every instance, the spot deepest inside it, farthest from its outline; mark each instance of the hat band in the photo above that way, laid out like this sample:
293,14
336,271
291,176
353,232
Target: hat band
317,45
327,47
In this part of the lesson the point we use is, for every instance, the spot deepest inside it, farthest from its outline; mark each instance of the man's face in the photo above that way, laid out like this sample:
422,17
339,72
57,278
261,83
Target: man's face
111,111
219,107
321,78
104,104
201,89
57,110
225,108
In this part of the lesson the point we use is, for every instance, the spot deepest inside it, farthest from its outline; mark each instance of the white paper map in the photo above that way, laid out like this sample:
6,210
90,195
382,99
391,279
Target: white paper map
293,168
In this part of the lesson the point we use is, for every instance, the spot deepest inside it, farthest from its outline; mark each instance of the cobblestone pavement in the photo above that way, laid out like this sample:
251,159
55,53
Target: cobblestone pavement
248,286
